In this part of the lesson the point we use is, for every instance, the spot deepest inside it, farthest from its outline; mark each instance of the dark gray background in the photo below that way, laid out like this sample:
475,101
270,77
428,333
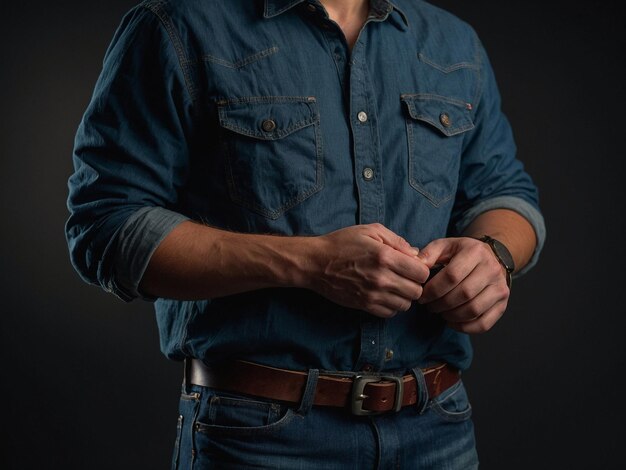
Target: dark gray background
83,382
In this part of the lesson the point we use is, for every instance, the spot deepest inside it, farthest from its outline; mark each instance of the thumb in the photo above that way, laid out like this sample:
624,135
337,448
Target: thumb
438,251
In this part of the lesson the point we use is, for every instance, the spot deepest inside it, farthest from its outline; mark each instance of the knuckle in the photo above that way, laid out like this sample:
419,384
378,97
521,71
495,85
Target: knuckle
382,257
503,291
480,325
495,266
378,281
417,291
452,276
466,291
473,310
480,250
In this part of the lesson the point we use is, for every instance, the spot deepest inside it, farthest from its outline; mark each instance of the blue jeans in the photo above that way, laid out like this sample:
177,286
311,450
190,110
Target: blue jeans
223,430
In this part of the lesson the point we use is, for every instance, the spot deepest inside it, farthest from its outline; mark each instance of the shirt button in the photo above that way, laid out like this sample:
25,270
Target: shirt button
368,368
362,116
268,125
388,354
311,8
445,120
368,174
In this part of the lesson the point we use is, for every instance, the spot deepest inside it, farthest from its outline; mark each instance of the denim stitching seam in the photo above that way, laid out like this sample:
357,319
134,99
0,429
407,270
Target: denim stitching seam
157,10
446,69
243,62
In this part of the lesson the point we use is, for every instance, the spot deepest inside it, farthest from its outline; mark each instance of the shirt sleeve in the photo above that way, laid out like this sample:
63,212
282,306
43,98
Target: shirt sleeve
130,156
491,175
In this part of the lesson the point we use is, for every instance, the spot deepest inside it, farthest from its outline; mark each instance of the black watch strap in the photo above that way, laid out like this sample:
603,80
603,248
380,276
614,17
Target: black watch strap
503,254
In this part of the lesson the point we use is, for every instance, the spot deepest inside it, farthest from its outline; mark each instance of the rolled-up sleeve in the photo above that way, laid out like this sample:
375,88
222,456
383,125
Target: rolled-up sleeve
522,207
130,157
491,175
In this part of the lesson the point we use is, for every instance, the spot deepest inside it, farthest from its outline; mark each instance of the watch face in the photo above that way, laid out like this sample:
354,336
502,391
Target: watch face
504,254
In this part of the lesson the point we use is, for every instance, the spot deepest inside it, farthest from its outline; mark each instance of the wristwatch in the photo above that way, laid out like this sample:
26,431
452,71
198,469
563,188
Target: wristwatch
503,255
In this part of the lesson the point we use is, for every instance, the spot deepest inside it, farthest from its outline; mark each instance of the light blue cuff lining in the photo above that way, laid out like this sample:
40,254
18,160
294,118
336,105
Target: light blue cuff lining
137,240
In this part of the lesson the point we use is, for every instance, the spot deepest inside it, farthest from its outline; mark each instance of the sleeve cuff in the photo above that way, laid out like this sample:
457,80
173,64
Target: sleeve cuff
519,205
137,240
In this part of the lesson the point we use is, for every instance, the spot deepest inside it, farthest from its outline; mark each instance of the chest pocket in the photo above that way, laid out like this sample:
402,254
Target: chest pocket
435,128
273,152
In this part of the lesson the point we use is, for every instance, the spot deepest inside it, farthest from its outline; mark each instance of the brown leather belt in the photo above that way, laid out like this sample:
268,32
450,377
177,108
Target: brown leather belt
364,394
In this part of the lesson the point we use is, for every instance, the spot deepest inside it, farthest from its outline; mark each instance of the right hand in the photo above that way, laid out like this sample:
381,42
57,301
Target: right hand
370,268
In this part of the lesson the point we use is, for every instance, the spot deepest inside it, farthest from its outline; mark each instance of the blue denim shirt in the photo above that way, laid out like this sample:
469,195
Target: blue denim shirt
255,116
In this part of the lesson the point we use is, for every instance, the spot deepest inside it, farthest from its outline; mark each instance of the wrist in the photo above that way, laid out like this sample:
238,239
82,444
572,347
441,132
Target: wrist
502,254
291,261
308,265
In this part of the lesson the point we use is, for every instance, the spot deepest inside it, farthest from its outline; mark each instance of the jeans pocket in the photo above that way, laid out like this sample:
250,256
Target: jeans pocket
229,415
452,404
273,151
235,431
435,127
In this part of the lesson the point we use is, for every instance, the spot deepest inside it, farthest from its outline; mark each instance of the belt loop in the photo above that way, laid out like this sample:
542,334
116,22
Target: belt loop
186,373
309,392
422,390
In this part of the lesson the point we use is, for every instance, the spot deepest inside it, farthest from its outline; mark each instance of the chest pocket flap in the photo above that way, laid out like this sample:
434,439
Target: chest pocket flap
448,115
268,118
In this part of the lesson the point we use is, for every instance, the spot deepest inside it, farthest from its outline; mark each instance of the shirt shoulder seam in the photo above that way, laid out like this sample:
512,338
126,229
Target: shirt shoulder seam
156,7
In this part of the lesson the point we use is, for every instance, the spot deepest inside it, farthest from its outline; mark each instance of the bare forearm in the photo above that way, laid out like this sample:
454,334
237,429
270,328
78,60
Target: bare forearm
366,267
196,262
511,229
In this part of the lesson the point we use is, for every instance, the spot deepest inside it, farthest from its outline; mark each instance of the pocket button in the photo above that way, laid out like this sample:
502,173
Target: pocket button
268,125
445,120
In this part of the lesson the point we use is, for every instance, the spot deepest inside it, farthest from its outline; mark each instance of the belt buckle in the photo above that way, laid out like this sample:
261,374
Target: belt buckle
358,387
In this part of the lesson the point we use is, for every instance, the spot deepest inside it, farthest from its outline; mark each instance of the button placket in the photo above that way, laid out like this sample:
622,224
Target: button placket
363,123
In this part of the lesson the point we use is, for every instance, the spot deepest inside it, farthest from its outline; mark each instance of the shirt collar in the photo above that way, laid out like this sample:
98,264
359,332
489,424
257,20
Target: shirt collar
380,8
276,7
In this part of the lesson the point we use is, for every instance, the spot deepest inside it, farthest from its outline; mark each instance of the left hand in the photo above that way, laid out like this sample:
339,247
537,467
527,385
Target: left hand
470,292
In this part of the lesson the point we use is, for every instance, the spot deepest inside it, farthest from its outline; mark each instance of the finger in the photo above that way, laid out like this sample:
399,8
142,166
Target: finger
439,251
387,304
476,307
407,267
380,311
404,288
397,302
394,240
464,292
482,324
451,276
391,296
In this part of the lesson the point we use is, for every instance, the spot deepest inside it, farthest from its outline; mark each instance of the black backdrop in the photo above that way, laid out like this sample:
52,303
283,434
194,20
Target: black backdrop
84,385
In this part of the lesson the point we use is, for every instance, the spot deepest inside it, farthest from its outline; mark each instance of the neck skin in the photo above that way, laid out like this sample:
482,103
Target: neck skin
346,10
350,15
